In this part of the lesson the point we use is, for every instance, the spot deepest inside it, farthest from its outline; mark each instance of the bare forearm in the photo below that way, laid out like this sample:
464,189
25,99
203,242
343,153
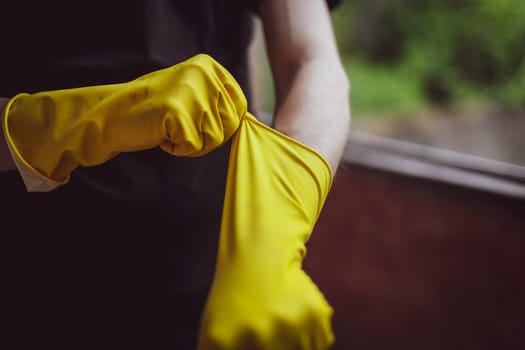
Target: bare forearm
311,86
6,162
316,109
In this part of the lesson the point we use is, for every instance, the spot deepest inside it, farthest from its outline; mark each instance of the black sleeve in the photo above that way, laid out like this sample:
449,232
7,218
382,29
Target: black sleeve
254,4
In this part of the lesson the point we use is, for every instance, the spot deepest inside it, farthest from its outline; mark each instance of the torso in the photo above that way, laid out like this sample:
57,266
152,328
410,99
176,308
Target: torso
126,249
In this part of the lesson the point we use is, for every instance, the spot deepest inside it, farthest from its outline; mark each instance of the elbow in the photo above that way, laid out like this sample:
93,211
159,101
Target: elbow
341,80
345,83
341,84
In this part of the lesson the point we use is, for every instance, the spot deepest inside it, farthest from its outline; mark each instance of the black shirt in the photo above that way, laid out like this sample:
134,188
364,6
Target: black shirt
57,44
123,255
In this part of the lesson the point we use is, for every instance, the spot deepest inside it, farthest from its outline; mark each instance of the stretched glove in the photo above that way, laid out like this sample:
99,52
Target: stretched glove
188,110
260,297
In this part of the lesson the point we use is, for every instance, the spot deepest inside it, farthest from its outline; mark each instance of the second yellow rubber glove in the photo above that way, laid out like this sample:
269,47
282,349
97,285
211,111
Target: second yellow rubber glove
261,299
188,110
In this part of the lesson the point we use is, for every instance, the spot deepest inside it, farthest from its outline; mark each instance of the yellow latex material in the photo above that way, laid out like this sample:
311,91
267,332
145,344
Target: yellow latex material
260,297
188,110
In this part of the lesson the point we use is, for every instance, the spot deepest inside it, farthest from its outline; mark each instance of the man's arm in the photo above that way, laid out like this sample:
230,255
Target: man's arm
6,161
187,110
312,89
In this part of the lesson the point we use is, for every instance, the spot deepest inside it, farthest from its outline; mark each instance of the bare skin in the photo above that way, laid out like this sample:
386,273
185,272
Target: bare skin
312,88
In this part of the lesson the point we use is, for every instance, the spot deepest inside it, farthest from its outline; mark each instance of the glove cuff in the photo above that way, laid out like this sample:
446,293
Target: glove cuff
33,180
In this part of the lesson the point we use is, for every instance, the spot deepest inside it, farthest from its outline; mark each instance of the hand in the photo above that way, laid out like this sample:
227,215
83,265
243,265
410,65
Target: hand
188,110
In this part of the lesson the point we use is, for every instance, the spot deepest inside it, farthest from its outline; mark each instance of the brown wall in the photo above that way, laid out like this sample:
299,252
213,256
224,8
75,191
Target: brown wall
416,264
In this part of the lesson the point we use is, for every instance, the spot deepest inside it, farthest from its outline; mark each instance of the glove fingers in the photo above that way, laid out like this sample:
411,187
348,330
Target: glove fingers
260,298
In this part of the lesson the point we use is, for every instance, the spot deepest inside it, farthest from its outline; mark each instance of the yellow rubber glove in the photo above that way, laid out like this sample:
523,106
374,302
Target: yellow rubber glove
188,110
260,297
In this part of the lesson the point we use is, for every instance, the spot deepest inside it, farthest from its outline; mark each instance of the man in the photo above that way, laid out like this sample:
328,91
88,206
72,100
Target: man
124,254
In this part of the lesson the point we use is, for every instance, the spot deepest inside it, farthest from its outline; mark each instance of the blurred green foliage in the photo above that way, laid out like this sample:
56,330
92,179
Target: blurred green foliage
404,54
